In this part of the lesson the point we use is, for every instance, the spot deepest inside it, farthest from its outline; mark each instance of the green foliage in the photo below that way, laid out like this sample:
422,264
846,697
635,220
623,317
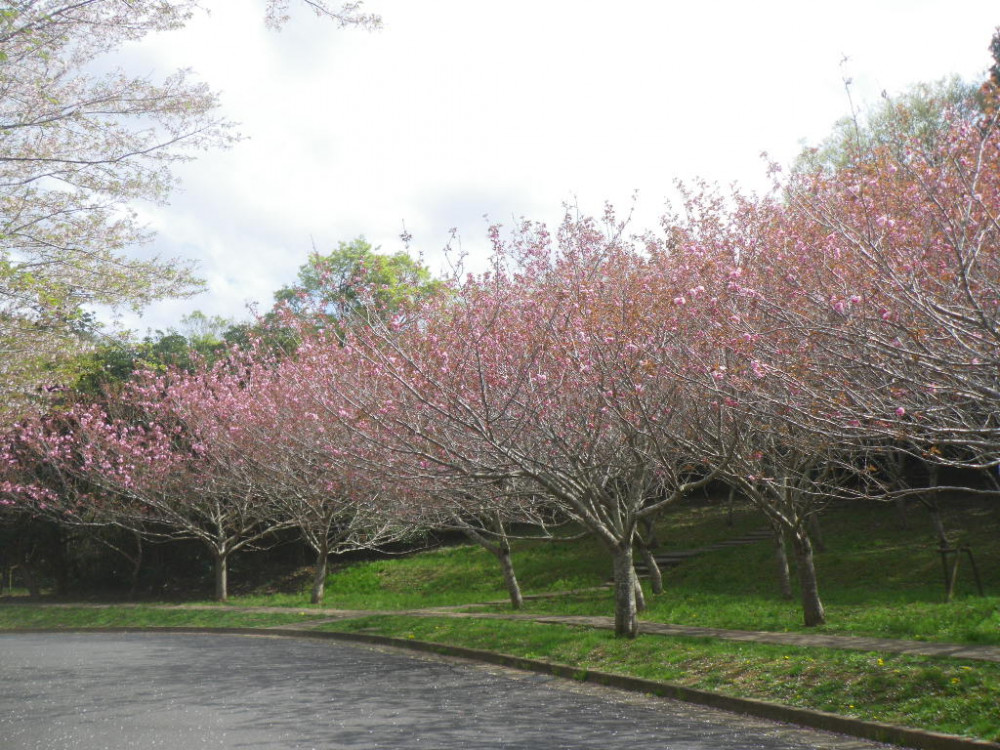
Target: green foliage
356,282
199,340
77,148
995,53
916,118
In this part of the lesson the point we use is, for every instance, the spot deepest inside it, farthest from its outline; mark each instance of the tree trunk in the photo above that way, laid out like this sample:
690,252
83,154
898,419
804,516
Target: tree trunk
61,563
938,523
221,576
781,557
136,561
655,574
647,543
501,551
31,581
816,533
626,614
319,574
28,573
812,607
904,521
935,510
640,596
509,578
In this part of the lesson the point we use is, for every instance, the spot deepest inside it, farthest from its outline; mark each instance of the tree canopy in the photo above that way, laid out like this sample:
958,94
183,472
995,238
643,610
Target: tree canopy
357,282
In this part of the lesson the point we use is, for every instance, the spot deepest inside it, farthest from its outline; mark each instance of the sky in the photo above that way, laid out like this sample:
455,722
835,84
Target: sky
463,113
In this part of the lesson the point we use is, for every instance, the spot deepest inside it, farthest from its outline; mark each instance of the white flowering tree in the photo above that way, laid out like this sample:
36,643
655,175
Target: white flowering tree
77,148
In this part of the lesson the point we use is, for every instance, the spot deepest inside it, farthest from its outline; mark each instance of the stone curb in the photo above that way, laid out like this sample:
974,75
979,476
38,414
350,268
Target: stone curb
870,730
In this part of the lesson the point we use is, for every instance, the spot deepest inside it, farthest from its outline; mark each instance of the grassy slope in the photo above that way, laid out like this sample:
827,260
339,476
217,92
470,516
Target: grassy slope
875,578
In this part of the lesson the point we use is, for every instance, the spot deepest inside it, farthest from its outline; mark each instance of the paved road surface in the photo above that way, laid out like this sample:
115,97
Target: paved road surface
96,691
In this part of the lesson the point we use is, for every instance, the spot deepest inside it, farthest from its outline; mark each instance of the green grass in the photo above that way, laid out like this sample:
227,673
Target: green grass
14,616
451,576
875,579
953,696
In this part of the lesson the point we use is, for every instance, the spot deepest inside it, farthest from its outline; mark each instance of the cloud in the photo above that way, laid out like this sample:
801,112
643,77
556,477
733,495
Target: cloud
461,109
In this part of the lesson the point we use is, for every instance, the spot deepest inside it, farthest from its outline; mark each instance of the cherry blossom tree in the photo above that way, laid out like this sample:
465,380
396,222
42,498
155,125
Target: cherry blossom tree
314,466
867,298
890,268
150,466
555,372
336,390
789,447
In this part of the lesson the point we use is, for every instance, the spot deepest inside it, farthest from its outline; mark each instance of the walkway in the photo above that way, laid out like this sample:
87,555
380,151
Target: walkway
806,640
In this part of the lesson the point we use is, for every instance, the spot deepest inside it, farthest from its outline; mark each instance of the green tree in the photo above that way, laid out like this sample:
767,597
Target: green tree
995,52
355,282
198,340
916,118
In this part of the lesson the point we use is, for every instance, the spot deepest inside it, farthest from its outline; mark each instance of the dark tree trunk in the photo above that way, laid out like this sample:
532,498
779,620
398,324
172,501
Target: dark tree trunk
730,505
60,563
31,580
938,522
136,561
930,502
816,533
904,521
812,607
27,567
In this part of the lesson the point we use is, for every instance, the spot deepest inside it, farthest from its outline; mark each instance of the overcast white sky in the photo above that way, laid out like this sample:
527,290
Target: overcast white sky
463,108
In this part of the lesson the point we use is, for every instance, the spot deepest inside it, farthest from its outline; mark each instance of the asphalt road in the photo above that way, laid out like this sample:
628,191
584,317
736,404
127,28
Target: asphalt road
96,691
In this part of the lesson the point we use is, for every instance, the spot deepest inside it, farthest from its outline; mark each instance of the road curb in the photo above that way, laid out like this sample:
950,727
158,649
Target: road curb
870,730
